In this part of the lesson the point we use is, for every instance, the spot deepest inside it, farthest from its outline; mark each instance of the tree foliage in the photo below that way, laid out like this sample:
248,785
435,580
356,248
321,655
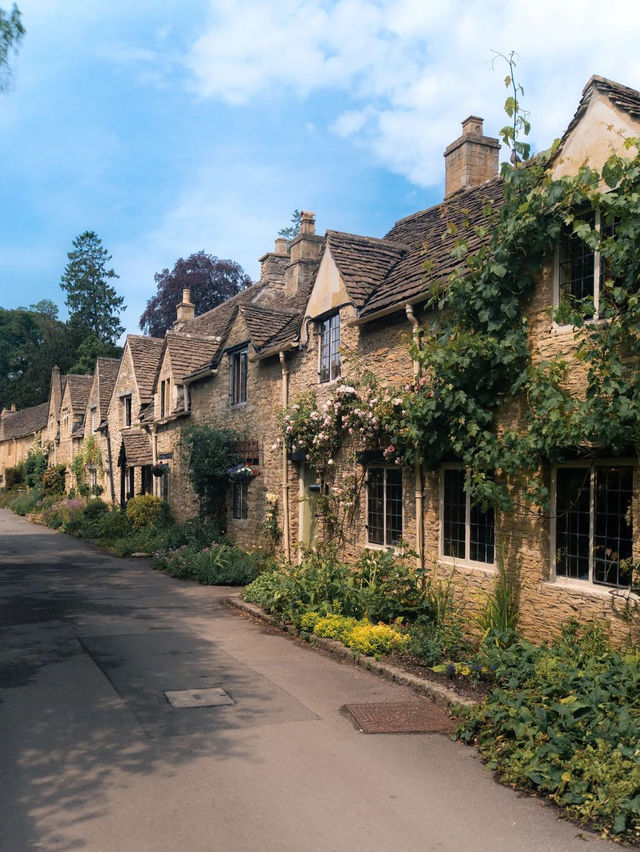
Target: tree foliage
11,34
93,302
290,232
208,453
210,279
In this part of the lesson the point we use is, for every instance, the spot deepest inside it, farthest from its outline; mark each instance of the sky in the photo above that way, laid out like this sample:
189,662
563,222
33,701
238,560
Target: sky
174,126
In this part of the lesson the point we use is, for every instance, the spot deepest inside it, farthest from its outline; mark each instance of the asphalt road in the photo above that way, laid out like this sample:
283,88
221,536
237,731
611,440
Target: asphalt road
93,756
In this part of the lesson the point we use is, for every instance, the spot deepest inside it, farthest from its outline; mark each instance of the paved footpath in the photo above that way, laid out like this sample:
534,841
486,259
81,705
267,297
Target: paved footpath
93,756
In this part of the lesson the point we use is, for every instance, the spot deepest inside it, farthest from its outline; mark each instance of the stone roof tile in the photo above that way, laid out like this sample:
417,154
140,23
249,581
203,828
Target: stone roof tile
135,449
188,352
363,262
146,353
79,388
428,259
28,421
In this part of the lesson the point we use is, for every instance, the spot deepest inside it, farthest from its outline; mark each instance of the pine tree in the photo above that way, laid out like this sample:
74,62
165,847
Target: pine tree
93,303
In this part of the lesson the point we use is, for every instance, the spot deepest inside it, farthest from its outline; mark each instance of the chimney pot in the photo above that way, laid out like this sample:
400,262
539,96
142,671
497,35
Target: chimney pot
186,310
307,223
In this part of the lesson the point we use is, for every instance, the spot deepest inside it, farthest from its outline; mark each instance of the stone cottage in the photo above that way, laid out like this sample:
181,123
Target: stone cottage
19,432
327,309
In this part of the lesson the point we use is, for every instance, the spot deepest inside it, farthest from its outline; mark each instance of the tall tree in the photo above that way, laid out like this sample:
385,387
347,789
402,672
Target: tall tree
11,35
210,280
292,230
93,303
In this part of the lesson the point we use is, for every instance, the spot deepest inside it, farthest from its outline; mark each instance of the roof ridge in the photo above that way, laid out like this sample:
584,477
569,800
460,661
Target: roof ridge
367,238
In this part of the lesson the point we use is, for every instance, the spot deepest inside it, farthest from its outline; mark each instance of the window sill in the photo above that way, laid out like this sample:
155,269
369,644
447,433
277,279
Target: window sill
467,565
237,404
582,587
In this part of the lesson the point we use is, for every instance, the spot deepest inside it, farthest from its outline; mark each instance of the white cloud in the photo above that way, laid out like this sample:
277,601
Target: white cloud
410,70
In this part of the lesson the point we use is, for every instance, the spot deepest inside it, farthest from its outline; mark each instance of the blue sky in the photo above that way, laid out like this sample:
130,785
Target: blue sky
168,127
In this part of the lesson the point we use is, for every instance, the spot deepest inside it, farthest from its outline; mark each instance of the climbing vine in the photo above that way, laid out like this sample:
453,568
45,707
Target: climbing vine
475,354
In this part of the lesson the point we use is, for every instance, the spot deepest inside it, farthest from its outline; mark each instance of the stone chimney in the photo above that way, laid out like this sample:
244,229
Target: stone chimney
305,251
472,159
274,263
186,311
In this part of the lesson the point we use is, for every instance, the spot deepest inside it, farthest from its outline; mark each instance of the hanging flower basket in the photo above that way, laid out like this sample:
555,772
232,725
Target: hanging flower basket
159,469
243,472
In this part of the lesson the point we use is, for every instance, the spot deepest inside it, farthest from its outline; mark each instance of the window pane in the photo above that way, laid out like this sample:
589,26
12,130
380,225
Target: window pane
572,522
577,267
481,545
375,506
393,513
454,514
329,331
612,532
335,346
240,501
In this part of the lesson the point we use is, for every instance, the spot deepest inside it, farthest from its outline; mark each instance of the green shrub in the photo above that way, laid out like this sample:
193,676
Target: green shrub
564,720
389,587
53,479
35,465
196,532
25,504
54,515
431,642
218,565
114,525
14,476
147,511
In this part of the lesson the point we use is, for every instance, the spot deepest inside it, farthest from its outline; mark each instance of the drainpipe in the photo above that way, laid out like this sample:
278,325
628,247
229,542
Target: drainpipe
285,464
418,485
110,459
154,452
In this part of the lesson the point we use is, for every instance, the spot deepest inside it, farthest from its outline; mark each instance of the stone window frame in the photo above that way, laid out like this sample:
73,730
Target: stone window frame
240,500
329,362
238,375
95,420
388,540
598,267
590,466
127,409
464,560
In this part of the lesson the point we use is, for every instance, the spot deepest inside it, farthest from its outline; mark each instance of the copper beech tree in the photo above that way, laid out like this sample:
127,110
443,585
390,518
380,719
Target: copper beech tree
210,279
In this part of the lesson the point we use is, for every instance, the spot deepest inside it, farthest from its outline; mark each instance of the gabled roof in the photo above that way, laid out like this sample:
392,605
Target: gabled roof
146,353
107,372
188,352
20,424
428,259
135,449
626,99
263,322
78,388
363,262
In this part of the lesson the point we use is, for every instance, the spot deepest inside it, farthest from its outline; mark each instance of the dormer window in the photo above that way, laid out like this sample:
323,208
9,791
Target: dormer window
329,341
238,362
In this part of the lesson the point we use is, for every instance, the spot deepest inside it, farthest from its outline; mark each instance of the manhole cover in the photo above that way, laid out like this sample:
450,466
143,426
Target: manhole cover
213,696
418,717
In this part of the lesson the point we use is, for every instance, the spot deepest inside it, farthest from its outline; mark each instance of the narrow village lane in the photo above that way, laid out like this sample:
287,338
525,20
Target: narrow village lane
93,755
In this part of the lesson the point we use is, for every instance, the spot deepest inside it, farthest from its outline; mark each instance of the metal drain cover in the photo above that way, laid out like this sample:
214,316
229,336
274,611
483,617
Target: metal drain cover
213,696
417,717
